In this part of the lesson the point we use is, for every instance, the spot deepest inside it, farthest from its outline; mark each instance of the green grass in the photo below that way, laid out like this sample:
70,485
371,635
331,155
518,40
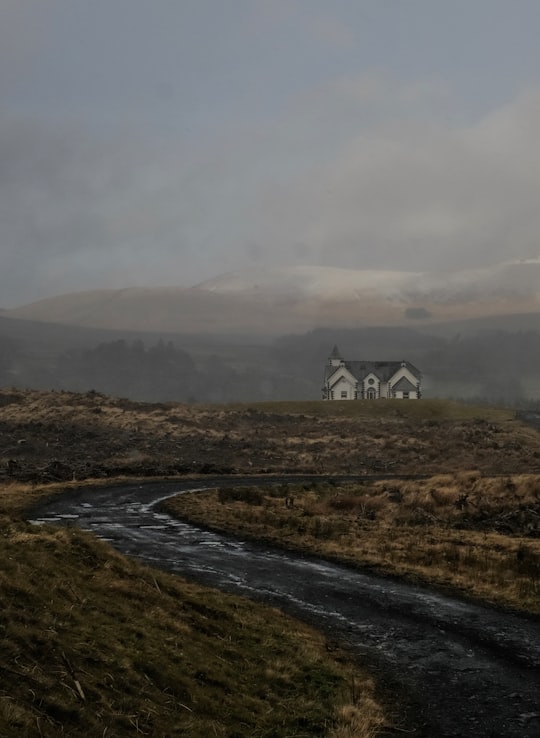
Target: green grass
94,644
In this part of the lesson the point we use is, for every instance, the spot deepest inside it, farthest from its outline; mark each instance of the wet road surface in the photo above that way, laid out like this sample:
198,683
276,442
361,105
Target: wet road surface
460,669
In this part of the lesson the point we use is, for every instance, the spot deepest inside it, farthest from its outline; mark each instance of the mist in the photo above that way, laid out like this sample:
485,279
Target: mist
164,144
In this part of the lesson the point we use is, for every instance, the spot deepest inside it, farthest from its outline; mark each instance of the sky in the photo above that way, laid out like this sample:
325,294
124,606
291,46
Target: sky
165,142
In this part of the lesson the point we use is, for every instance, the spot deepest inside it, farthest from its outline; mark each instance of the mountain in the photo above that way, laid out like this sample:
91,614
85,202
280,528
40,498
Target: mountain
272,301
265,334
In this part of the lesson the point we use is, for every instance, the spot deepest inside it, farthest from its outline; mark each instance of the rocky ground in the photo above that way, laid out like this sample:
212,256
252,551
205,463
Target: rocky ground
60,436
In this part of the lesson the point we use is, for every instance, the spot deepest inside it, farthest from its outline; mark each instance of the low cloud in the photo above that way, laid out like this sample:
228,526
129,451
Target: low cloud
331,32
418,192
362,173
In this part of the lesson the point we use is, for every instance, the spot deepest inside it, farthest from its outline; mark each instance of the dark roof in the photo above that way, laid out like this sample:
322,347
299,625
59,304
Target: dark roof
383,370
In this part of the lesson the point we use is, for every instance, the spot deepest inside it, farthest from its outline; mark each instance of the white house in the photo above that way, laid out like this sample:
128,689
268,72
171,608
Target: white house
370,380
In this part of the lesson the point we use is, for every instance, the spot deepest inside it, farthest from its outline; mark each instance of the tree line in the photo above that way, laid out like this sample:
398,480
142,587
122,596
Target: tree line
501,367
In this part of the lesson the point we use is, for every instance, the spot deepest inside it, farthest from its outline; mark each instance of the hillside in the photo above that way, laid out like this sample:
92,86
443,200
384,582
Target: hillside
270,301
266,335
94,645
63,436
84,629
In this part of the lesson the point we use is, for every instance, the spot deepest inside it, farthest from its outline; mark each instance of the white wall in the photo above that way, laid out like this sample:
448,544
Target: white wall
343,385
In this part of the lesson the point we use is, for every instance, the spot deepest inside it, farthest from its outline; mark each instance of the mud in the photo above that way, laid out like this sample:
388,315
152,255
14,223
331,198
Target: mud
455,668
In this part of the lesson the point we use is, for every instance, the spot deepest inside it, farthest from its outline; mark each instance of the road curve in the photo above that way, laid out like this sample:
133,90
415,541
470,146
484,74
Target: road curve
459,668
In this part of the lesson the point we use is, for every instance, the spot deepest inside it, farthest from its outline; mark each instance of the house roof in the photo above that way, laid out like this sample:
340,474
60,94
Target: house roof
383,370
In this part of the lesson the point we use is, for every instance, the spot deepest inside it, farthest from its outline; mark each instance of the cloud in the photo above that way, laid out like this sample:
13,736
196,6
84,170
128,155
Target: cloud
332,32
407,191
23,34
362,172
73,210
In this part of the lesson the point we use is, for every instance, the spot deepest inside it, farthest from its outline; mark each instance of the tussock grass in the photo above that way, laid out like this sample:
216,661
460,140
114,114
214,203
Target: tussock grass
480,535
153,655
59,436
93,644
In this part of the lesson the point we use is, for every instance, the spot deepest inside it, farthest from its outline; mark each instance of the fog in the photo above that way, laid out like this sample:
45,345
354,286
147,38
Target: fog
163,143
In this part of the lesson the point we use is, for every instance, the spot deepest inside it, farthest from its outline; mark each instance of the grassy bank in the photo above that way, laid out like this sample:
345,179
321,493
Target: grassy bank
478,535
94,644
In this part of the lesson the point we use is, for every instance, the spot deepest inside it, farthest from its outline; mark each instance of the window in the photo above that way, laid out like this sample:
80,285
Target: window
371,381
343,394
405,395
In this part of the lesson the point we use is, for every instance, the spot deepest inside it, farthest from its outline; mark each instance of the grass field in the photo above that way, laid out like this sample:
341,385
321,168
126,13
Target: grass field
93,644
477,535
425,410
96,645
61,436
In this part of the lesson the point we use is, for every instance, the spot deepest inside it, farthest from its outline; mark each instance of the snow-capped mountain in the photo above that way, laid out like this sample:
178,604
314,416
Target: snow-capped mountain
285,299
299,282
518,278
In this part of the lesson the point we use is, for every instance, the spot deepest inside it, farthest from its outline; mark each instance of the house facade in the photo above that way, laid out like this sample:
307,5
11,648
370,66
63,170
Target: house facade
370,380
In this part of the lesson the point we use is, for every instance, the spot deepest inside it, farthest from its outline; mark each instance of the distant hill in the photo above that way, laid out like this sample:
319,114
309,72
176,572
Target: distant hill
266,334
272,301
496,360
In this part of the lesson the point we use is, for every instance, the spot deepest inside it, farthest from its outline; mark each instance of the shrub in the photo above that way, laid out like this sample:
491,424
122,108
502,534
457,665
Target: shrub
249,495
344,503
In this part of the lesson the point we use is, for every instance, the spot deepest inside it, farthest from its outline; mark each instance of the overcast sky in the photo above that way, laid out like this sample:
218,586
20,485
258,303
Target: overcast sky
164,142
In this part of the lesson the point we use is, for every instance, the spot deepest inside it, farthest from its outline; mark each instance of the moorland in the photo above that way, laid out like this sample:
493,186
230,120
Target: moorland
94,644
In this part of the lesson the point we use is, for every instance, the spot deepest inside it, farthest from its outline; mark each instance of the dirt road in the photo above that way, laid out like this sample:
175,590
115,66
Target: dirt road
458,669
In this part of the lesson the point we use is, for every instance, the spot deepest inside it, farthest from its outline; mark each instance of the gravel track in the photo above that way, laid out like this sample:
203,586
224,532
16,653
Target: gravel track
457,668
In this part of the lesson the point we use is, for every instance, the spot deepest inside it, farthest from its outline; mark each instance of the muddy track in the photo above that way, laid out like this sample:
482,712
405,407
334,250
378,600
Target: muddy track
457,668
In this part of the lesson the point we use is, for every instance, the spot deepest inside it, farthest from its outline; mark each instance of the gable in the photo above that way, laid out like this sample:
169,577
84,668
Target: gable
404,372
403,385
371,378
341,375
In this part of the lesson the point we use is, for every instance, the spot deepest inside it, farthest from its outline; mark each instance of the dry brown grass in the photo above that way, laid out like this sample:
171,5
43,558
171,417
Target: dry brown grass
53,436
475,534
16,497
94,644
463,529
